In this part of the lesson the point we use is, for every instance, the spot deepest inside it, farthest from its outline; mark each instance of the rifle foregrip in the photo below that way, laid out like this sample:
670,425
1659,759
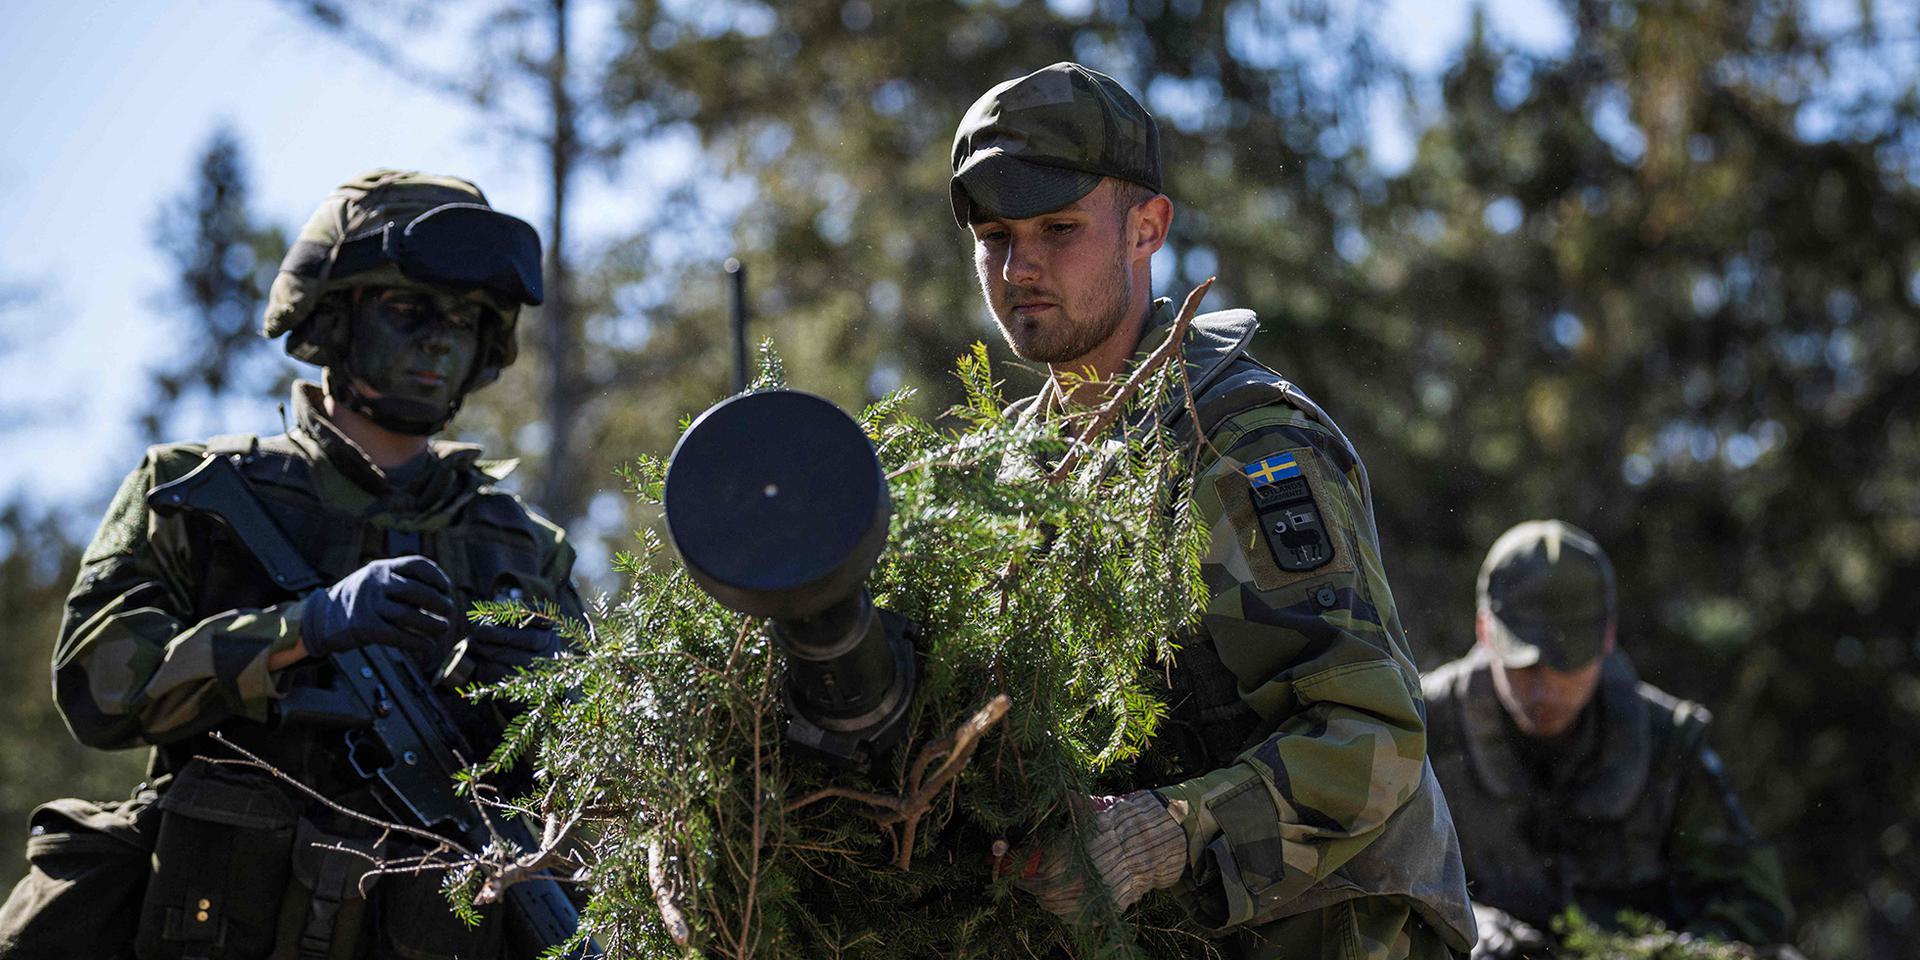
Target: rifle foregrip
539,915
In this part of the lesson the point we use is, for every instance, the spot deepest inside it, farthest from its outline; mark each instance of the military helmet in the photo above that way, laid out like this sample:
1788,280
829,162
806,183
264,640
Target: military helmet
401,227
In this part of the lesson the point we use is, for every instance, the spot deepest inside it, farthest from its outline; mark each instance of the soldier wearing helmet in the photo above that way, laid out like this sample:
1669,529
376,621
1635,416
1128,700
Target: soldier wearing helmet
405,289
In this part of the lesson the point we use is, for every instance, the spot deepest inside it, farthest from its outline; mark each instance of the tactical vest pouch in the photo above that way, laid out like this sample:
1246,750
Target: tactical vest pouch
326,904
86,872
220,868
417,922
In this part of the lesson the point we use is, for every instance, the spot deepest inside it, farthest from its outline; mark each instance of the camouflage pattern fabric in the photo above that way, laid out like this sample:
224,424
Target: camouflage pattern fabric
1294,755
166,636
166,640
1364,928
1635,815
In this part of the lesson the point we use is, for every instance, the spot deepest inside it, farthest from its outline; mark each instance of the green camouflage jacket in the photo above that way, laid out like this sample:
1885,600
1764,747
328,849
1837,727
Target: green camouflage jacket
170,624
1640,819
1294,753
166,640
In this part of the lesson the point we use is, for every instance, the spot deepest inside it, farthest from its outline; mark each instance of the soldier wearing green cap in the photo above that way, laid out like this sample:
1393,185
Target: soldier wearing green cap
1573,784
1288,801
405,288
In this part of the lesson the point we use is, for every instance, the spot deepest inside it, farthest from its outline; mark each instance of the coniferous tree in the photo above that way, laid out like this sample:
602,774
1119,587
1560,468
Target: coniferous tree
224,261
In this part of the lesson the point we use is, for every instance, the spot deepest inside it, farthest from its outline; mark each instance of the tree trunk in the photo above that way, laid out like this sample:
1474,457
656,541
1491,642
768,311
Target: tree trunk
560,493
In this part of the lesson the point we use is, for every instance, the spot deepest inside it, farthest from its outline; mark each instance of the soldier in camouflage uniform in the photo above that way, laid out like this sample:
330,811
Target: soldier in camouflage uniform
405,288
1291,803
1575,785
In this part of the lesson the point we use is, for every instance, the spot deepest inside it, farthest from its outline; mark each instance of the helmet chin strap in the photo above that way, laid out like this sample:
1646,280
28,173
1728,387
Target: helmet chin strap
414,418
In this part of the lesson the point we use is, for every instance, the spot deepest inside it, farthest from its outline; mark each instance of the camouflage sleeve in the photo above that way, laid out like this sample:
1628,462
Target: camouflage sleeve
1727,877
1300,613
130,666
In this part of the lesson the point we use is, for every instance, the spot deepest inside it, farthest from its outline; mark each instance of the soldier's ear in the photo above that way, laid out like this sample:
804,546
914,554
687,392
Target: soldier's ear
1147,225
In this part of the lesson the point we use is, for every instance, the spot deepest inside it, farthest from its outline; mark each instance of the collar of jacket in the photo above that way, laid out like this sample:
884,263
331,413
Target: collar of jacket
1213,341
1615,778
453,474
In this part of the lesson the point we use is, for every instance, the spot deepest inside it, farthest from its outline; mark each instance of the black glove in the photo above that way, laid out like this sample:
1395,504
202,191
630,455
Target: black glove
500,651
406,602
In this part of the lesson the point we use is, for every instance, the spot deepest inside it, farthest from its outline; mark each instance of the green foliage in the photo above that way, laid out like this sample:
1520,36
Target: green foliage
224,261
39,759
1637,937
1057,594
1664,283
1627,287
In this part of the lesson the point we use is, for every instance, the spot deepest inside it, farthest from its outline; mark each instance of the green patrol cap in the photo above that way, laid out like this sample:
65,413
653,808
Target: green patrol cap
1037,143
1549,588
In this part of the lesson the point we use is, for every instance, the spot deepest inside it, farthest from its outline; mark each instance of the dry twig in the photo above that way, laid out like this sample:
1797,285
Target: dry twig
502,869
923,789
253,760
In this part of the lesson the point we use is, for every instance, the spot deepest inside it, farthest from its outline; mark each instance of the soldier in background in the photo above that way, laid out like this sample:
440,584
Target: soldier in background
1572,783
1290,799
405,288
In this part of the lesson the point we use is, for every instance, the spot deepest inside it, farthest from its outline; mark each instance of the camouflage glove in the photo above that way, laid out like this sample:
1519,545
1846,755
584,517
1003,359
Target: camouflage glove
406,602
499,651
1136,846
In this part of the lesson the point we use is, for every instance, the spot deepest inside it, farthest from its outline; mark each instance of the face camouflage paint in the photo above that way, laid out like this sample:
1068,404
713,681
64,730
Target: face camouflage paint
412,349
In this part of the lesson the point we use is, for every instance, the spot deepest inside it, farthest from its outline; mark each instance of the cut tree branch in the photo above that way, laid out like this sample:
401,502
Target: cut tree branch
1112,409
953,751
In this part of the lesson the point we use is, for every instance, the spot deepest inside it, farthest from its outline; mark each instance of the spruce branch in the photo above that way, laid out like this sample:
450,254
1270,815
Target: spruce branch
664,731
555,851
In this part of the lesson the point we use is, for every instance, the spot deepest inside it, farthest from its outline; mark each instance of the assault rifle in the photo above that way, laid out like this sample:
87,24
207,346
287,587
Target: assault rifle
398,736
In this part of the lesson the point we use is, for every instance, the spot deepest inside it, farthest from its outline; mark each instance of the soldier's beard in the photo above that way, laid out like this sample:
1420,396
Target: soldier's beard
1070,330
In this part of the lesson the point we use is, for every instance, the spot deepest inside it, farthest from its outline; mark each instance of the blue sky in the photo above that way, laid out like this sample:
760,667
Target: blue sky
107,108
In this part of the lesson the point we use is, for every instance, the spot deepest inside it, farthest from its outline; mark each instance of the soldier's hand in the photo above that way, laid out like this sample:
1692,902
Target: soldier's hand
499,651
406,602
1135,846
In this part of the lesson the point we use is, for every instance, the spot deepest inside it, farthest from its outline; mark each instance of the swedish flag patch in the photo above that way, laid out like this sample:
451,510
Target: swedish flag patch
1280,466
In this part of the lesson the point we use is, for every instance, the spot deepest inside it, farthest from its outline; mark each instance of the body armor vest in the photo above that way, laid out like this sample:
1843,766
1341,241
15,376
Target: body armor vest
1598,841
480,537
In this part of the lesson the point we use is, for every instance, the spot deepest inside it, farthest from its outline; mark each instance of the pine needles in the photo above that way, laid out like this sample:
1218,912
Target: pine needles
709,837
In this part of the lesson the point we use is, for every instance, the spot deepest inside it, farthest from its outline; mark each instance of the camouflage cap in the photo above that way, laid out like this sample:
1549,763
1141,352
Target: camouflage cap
1548,588
1039,142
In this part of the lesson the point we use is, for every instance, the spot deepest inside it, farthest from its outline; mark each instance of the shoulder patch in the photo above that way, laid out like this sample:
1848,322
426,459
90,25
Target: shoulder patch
1279,533
1290,521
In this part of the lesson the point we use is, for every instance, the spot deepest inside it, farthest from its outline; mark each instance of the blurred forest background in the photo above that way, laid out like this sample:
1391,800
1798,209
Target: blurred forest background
1665,285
